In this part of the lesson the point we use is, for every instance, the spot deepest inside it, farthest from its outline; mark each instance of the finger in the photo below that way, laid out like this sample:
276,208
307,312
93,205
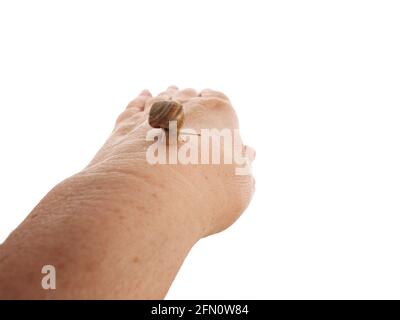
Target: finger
213,93
185,95
139,102
170,92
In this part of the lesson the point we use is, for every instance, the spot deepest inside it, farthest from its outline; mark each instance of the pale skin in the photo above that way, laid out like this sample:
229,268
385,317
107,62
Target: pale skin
121,228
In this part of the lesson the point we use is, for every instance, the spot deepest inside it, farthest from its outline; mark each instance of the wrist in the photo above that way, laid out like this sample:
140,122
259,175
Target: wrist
144,194
93,230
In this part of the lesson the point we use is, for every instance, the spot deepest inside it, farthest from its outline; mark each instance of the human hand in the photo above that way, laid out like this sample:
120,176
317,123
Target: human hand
214,195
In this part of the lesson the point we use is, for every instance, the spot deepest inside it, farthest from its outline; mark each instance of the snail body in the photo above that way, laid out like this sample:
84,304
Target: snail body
162,112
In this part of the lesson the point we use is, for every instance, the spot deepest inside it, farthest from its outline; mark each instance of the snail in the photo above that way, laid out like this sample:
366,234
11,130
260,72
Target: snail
162,112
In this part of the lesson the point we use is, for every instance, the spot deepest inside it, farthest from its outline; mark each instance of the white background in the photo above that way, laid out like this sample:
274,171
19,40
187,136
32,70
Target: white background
316,85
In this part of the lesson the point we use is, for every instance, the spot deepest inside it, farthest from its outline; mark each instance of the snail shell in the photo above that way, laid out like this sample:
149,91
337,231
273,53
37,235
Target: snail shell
162,112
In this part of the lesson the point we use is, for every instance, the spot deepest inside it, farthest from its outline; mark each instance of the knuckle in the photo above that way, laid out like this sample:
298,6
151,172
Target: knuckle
215,101
187,92
214,93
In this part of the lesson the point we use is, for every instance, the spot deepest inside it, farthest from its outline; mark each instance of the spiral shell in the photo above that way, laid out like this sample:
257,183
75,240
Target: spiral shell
162,112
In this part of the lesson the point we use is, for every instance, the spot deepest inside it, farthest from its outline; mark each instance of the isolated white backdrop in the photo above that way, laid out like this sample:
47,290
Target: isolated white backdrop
316,85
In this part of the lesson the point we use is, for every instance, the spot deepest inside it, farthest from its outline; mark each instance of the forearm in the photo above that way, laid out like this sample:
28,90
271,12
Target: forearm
107,235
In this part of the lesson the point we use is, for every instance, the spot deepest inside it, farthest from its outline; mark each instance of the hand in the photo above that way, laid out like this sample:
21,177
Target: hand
218,194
